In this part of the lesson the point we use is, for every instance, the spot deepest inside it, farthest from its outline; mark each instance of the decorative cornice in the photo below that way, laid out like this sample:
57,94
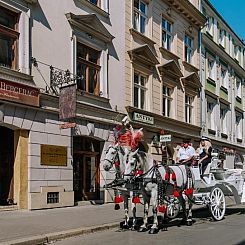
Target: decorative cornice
190,67
192,80
168,54
91,24
172,68
16,76
189,11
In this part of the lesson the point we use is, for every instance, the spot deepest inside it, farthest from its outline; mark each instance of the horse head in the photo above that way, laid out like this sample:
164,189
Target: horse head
111,157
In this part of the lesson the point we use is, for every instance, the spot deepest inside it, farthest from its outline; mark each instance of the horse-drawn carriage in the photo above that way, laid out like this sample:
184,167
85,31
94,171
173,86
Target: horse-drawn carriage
172,186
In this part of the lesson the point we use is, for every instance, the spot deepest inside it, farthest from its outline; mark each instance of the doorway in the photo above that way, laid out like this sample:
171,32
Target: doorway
6,166
86,172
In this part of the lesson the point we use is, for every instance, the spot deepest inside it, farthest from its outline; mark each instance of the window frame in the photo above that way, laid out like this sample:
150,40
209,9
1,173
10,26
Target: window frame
89,64
137,21
238,88
211,70
239,129
167,97
98,2
165,44
7,32
140,88
188,49
210,25
189,100
224,79
210,115
223,120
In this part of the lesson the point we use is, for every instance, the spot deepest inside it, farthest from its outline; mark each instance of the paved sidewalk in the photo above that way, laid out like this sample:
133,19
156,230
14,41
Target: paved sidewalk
21,226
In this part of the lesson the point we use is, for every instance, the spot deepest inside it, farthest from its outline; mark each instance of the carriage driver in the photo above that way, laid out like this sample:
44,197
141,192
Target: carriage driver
185,153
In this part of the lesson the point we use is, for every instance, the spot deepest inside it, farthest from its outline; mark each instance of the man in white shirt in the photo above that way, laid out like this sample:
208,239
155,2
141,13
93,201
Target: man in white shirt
185,153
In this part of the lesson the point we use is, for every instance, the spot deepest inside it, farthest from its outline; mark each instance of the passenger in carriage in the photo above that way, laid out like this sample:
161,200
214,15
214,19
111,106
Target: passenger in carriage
204,151
185,154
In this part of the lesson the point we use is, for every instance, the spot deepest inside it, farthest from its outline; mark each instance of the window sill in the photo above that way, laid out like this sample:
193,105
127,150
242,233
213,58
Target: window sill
16,76
95,8
224,136
222,46
211,131
190,66
92,96
168,54
239,140
141,36
238,99
211,81
224,89
209,35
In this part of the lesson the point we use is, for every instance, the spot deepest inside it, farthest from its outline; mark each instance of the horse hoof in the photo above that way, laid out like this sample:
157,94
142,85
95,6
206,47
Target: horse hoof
189,223
142,229
124,226
117,207
133,228
153,231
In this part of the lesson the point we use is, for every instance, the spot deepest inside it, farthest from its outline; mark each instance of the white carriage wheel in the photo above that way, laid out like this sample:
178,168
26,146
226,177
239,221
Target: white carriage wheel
217,204
173,208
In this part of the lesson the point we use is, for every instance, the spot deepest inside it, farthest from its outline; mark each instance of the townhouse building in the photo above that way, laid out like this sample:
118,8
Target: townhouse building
49,159
162,61
222,74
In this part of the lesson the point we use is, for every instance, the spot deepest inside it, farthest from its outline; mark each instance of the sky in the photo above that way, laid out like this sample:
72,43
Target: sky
233,12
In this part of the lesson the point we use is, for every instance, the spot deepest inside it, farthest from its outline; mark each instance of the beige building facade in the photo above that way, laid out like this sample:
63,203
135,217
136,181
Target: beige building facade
162,61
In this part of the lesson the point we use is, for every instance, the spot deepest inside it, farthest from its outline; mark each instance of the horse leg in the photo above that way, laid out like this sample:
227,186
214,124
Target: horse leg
134,216
154,228
126,225
183,204
143,227
189,212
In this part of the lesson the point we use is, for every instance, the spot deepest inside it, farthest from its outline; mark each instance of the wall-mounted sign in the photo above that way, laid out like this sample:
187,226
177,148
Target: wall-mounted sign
67,102
143,118
68,125
53,155
20,93
165,138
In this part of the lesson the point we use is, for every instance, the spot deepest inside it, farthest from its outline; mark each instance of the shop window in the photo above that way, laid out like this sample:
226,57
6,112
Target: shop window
166,101
188,108
8,38
140,90
88,69
188,49
140,18
167,32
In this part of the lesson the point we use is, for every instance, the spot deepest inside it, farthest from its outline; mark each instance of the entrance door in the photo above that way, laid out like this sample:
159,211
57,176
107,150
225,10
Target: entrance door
86,177
86,168
6,165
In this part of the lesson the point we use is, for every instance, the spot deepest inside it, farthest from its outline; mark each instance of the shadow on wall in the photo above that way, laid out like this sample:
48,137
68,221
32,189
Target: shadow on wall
39,16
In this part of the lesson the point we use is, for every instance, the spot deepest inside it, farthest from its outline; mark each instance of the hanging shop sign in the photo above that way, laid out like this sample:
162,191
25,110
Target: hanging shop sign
68,125
143,118
53,155
67,102
165,138
19,93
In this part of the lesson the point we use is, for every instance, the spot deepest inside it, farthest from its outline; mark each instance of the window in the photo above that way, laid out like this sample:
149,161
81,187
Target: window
88,69
237,52
211,68
238,88
167,32
52,197
239,125
95,2
8,38
188,49
166,101
224,77
222,34
223,120
210,115
140,18
140,91
188,108
210,25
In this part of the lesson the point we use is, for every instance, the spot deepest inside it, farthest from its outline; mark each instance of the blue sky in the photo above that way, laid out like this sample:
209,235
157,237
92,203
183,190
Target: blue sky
233,11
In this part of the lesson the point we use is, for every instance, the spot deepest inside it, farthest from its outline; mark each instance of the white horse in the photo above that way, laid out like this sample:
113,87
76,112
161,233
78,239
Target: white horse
159,181
114,158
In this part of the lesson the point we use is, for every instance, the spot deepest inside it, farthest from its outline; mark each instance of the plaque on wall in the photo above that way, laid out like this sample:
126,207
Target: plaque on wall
53,155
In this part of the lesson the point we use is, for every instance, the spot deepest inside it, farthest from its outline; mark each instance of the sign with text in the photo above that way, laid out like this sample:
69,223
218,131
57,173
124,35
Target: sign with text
165,138
143,118
68,125
20,93
67,102
53,155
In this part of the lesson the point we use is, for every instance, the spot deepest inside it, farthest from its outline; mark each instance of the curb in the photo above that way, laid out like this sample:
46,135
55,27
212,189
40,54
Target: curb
51,237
